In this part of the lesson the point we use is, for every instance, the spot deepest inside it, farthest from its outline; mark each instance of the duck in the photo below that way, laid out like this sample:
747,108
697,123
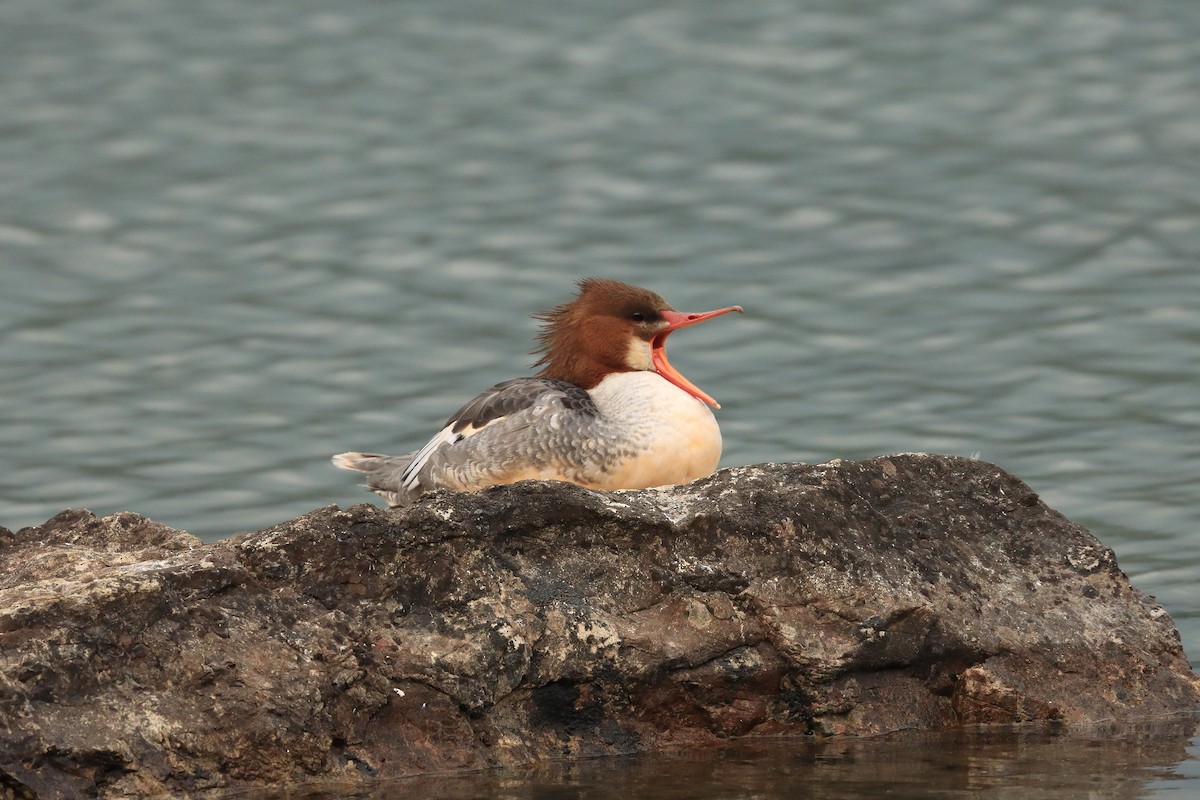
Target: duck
606,411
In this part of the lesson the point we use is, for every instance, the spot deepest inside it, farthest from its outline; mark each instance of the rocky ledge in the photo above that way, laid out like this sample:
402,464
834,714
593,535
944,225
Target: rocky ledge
542,620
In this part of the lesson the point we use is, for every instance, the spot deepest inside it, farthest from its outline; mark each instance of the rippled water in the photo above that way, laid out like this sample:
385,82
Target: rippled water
238,237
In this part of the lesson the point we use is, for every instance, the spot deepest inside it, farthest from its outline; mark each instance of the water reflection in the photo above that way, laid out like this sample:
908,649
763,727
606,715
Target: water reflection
1146,760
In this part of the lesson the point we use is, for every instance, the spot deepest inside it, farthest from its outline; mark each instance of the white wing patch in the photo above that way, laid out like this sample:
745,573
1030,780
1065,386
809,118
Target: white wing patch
446,437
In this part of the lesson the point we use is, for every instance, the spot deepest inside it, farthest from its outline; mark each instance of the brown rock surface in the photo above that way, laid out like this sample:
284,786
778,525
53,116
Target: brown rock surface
542,620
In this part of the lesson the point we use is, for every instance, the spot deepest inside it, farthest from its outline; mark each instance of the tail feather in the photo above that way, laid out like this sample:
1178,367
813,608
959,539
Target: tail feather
384,474
359,462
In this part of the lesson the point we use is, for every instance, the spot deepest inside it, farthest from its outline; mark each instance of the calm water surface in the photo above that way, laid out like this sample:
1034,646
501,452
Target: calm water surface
238,237
1147,762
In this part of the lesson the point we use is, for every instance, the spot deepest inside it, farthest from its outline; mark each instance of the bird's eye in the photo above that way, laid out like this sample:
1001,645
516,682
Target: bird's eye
638,317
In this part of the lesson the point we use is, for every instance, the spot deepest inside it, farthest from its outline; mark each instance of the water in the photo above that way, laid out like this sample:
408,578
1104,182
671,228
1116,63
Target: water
238,237
1134,761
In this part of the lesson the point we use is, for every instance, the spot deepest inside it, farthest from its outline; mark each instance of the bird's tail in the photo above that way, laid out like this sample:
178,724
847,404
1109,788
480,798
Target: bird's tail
355,461
385,474
372,462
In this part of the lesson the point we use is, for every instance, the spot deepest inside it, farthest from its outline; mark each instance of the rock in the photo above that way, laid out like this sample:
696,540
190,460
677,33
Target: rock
543,620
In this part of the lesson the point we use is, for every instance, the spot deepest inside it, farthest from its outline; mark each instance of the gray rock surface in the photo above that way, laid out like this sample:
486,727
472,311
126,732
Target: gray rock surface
543,620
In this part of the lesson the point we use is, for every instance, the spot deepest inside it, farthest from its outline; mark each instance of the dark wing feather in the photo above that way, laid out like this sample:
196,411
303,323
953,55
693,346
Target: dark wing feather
512,396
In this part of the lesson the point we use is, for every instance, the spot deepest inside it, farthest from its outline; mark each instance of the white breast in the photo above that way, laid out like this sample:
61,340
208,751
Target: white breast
660,434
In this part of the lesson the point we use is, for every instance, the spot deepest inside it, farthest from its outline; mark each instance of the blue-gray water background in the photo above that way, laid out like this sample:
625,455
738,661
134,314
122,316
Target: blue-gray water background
238,237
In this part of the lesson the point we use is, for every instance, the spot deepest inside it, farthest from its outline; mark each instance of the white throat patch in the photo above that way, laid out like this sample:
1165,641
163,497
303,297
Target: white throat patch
638,356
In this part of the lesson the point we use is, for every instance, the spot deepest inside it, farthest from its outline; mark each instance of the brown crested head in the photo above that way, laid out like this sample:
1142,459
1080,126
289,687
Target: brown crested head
614,327
607,328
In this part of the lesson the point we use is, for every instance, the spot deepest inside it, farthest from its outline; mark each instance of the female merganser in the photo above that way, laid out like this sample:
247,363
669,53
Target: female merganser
607,411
